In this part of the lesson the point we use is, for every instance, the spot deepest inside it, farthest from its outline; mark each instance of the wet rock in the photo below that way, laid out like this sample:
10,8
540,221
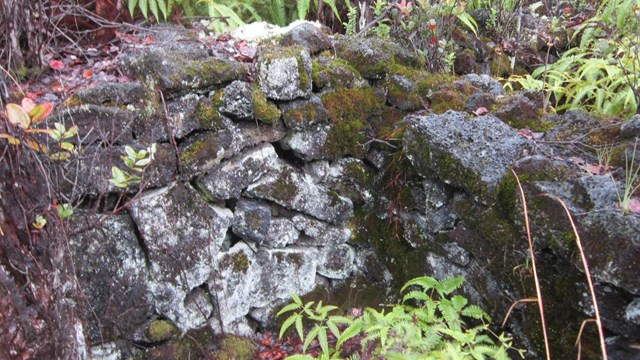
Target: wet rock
294,190
237,101
485,82
300,115
473,154
248,279
227,180
478,100
284,73
330,72
253,221
631,128
319,233
109,94
308,36
181,68
336,262
98,124
111,270
182,234
519,112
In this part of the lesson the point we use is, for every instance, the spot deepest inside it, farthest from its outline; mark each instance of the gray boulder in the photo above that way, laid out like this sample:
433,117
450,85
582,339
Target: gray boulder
336,262
254,222
237,101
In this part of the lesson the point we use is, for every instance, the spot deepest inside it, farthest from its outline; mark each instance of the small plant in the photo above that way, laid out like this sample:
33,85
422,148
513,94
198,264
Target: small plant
631,184
429,323
136,161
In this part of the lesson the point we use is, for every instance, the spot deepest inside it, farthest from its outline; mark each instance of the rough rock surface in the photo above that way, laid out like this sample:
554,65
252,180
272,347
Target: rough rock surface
182,234
295,190
474,154
284,73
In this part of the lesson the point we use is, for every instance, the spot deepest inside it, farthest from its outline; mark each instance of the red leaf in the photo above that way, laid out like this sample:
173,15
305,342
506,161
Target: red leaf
148,40
32,95
87,74
40,112
594,169
56,65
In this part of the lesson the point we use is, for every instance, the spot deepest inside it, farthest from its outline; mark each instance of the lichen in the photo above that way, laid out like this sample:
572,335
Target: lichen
207,115
240,262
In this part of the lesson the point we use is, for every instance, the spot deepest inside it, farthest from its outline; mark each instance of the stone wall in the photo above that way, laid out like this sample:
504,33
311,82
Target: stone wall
325,163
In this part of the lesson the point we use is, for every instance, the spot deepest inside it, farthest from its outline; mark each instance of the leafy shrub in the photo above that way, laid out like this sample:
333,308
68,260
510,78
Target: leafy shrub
602,74
430,323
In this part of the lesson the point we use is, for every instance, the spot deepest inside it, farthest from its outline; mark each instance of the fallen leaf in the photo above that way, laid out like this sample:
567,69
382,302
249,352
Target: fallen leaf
481,111
594,169
57,88
56,64
634,205
526,133
87,74
27,104
18,116
148,40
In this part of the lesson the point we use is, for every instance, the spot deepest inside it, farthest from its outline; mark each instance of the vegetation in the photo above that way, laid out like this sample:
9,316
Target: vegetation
429,323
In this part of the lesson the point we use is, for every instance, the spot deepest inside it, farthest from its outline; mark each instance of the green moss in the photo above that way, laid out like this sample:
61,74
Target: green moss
160,330
352,104
190,153
500,65
284,189
447,98
233,347
207,115
333,72
264,110
302,73
345,138
240,262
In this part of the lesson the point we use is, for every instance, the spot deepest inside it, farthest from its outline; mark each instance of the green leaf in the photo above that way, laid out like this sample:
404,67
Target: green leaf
348,333
143,162
59,156
300,357
163,9
324,343
287,323
288,308
71,132
299,327
144,8
65,211
67,146
334,329
425,282
469,22
132,6
131,153
310,336
118,177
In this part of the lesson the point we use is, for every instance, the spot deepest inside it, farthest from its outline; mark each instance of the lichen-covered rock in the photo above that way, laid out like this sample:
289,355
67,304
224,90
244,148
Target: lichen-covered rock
284,73
329,72
253,221
473,154
182,234
300,115
401,95
227,180
202,152
109,94
182,68
308,36
248,279
350,177
98,124
294,190
237,101
336,262
308,144
319,233
111,269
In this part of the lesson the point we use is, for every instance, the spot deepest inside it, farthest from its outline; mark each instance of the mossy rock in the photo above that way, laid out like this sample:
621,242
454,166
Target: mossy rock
193,345
109,94
330,72
284,72
264,110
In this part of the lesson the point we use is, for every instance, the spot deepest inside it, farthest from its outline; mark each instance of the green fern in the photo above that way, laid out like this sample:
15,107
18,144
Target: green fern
430,328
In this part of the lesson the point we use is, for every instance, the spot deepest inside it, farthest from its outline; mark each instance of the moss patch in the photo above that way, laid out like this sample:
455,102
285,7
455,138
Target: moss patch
160,330
233,347
264,110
